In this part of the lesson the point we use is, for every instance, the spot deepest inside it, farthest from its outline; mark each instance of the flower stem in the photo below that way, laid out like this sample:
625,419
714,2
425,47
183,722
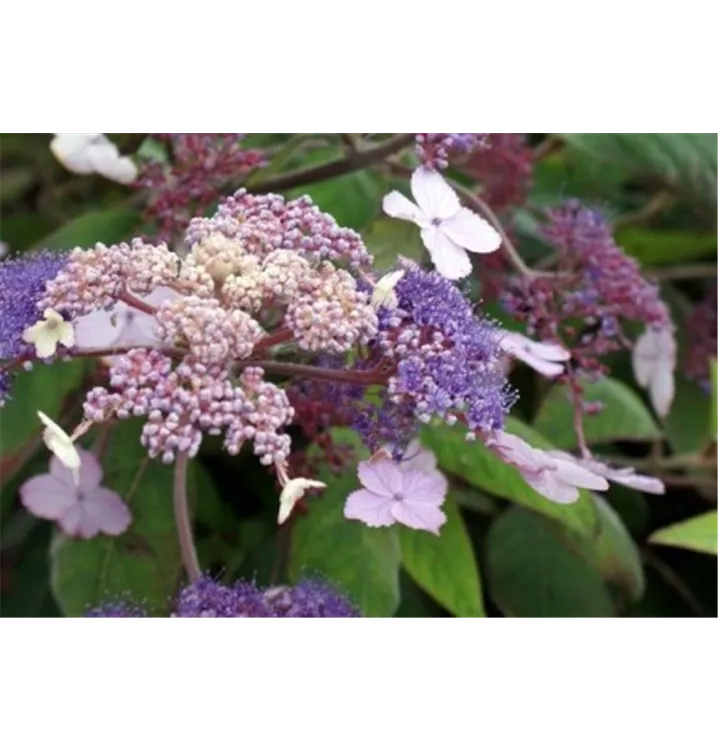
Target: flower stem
352,162
357,377
184,524
138,304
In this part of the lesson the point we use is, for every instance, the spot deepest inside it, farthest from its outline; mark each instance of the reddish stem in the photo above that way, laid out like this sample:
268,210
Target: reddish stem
138,304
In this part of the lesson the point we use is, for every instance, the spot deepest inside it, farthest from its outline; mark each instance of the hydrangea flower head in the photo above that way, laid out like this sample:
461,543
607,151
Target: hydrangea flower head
83,509
309,599
447,229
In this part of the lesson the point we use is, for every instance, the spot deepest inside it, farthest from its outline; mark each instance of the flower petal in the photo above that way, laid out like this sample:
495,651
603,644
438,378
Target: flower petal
108,511
451,261
90,472
371,509
76,522
111,165
470,231
570,472
434,194
374,479
399,206
46,497
663,389
72,150
422,488
418,458
96,330
420,517
547,484
61,445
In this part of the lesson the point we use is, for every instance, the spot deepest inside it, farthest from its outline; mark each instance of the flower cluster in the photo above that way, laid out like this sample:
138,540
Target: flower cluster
702,329
22,285
207,598
435,150
596,288
199,164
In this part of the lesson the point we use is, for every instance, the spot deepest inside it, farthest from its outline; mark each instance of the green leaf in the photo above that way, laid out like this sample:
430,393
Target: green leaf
684,162
445,566
665,247
478,466
688,423
532,574
45,388
699,534
386,239
615,554
362,562
714,401
145,562
624,416
109,226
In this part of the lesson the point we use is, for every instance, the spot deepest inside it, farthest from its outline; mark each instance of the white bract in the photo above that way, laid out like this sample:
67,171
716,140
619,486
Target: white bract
292,493
48,333
654,365
447,229
384,294
90,153
547,359
61,445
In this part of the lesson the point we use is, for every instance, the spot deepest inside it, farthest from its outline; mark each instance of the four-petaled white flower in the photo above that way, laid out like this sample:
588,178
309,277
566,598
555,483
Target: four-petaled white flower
384,294
547,359
447,229
61,445
48,333
88,153
292,493
654,365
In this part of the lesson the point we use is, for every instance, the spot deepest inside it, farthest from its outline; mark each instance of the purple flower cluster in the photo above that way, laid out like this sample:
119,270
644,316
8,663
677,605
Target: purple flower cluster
207,598
22,285
288,225
596,287
702,330
436,149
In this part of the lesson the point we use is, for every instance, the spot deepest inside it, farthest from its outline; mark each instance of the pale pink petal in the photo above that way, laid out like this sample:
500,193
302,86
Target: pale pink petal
516,343
108,511
374,478
95,331
663,388
547,484
570,472
77,523
470,231
369,508
418,458
400,207
420,517
106,159
391,477
451,261
434,194
46,497
517,452
649,485
424,488
90,471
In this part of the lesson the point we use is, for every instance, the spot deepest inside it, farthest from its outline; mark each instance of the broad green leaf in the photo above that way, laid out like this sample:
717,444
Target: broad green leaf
108,226
665,247
362,562
624,416
144,563
532,574
686,163
386,239
45,388
714,401
687,425
614,553
445,566
699,534
480,467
